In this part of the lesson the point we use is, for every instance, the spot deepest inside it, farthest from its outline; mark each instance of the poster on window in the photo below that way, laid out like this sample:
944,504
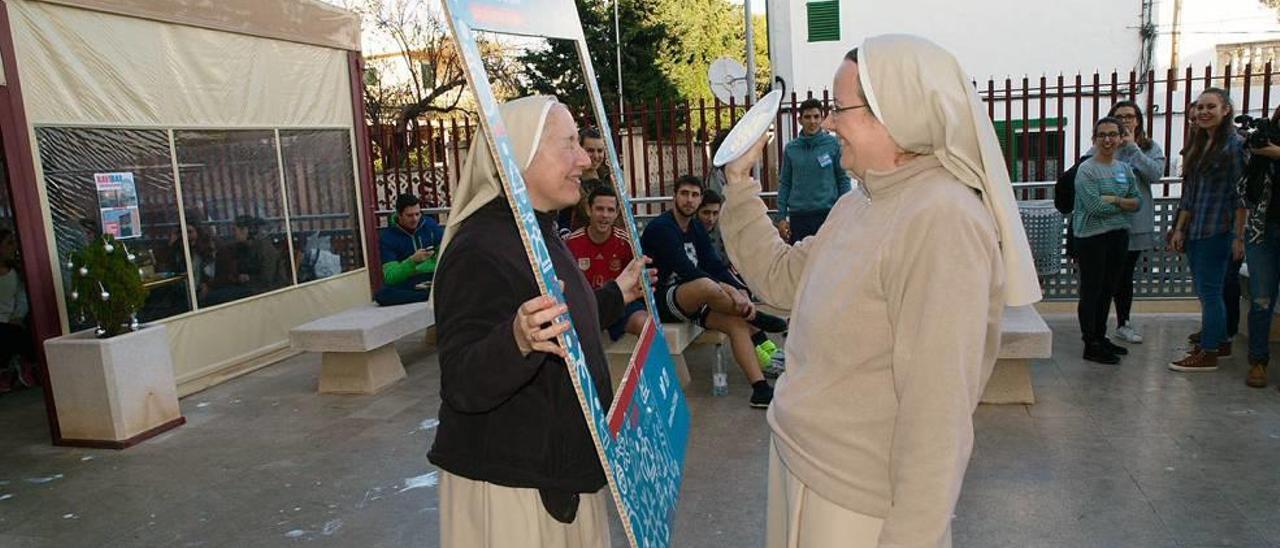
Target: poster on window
118,205
641,439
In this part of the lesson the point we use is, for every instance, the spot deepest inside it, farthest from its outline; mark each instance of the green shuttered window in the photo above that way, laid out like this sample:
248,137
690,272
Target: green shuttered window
824,21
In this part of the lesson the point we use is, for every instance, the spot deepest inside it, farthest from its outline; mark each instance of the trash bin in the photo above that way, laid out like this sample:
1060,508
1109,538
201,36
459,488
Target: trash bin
1044,226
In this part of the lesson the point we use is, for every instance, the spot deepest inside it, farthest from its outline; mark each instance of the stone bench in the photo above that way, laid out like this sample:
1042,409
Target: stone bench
1024,337
357,345
679,337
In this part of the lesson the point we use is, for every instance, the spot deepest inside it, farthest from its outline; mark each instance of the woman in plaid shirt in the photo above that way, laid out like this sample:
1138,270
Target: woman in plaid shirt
1210,226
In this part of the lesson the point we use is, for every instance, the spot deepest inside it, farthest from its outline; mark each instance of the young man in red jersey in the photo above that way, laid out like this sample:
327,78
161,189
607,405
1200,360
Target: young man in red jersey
603,250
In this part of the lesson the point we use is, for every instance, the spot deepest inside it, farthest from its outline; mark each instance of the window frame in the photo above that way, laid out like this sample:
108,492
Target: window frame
170,131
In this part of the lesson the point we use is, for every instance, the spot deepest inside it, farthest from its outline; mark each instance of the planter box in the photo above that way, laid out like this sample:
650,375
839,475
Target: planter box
112,392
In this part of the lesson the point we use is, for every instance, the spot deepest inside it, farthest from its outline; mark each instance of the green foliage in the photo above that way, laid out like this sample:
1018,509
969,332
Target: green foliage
556,69
667,46
106,286
701,31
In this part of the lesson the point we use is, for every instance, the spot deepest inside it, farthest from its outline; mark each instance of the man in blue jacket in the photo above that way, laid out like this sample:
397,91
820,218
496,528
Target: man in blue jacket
407,246
812,179
695,285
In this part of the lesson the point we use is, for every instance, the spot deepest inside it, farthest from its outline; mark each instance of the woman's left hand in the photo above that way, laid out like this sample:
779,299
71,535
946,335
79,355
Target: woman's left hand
1237,249
629,279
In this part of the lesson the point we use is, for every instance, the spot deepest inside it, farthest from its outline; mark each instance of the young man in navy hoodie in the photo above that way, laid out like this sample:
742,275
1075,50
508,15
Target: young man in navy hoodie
407,246
695,285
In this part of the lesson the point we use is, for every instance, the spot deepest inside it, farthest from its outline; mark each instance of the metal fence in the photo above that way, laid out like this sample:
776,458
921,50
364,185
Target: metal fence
1160,273
1043,125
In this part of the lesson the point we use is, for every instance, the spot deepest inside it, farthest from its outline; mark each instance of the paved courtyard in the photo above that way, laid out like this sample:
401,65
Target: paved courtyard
1125,456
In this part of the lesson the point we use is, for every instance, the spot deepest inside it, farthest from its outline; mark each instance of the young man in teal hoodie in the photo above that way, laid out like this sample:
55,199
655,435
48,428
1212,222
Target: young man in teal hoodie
812,179
407,247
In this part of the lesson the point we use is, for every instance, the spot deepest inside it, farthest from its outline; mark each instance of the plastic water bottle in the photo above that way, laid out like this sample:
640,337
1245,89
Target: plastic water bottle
719,377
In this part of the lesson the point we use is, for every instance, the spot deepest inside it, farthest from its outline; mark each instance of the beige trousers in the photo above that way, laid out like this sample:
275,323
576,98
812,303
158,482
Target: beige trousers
798,517
476,514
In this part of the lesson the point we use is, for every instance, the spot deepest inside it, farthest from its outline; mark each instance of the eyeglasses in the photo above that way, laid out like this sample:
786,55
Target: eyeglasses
1107,135
838,110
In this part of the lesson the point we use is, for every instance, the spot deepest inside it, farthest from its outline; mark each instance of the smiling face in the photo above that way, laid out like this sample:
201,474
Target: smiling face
1210,109
555,174
604,212
865,143
595,150
1106,139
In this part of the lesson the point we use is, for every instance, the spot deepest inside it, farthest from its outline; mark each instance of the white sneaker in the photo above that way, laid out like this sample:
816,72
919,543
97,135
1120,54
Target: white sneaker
1129,334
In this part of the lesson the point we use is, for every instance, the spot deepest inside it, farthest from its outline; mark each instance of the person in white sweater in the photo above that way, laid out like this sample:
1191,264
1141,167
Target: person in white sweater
897,304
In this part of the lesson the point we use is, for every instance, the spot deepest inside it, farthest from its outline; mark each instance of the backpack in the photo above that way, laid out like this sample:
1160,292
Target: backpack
1064,191
1064,200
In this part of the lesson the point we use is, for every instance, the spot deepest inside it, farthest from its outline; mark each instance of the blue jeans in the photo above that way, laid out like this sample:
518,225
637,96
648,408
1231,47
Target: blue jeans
1209,258
1264,277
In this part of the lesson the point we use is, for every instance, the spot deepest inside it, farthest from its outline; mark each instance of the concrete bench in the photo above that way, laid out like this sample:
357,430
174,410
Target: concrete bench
679,337
1024,337
357,349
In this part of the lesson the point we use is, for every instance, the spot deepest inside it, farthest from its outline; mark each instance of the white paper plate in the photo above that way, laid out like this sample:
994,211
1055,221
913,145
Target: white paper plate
749,129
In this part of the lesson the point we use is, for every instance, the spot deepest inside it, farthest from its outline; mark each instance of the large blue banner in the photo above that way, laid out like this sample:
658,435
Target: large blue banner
642,439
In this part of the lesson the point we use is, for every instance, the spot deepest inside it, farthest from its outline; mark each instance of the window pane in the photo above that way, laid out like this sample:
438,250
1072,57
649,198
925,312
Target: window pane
320,184
118,181
235,215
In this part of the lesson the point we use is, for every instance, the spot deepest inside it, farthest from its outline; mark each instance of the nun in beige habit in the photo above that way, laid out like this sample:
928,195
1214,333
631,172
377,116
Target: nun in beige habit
896,304
519,468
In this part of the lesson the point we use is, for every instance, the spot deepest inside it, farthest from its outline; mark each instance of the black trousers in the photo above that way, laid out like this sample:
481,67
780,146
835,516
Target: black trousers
1231,294
1124,292
1101,259
806,223
14,341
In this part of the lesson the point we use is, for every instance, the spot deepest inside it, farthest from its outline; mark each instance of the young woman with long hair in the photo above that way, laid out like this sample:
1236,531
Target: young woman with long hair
1210,227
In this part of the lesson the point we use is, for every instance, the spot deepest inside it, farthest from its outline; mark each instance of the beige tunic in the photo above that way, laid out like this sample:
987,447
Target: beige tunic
895,326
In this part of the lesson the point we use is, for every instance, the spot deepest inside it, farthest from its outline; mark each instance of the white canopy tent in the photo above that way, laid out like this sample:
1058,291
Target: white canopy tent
243,86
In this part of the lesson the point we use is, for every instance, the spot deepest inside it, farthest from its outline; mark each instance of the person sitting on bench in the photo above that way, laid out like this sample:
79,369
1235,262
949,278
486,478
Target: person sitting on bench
407,246
603,250
694,285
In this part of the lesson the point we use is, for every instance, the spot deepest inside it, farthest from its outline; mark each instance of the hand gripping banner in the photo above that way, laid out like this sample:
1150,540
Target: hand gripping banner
641,440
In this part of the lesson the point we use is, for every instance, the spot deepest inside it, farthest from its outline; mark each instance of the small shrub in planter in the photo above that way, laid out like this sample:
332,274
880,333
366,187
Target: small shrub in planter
106,286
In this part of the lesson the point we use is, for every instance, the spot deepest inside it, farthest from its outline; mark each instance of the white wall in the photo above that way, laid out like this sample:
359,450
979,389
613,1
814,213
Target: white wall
992,38
1207,23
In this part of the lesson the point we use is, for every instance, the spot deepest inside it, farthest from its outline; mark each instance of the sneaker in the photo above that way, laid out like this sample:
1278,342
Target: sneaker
1100,354
1194,338
1115,348
1198,360
765,352
777,365
761,395
768,323
1129,334
1257,374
